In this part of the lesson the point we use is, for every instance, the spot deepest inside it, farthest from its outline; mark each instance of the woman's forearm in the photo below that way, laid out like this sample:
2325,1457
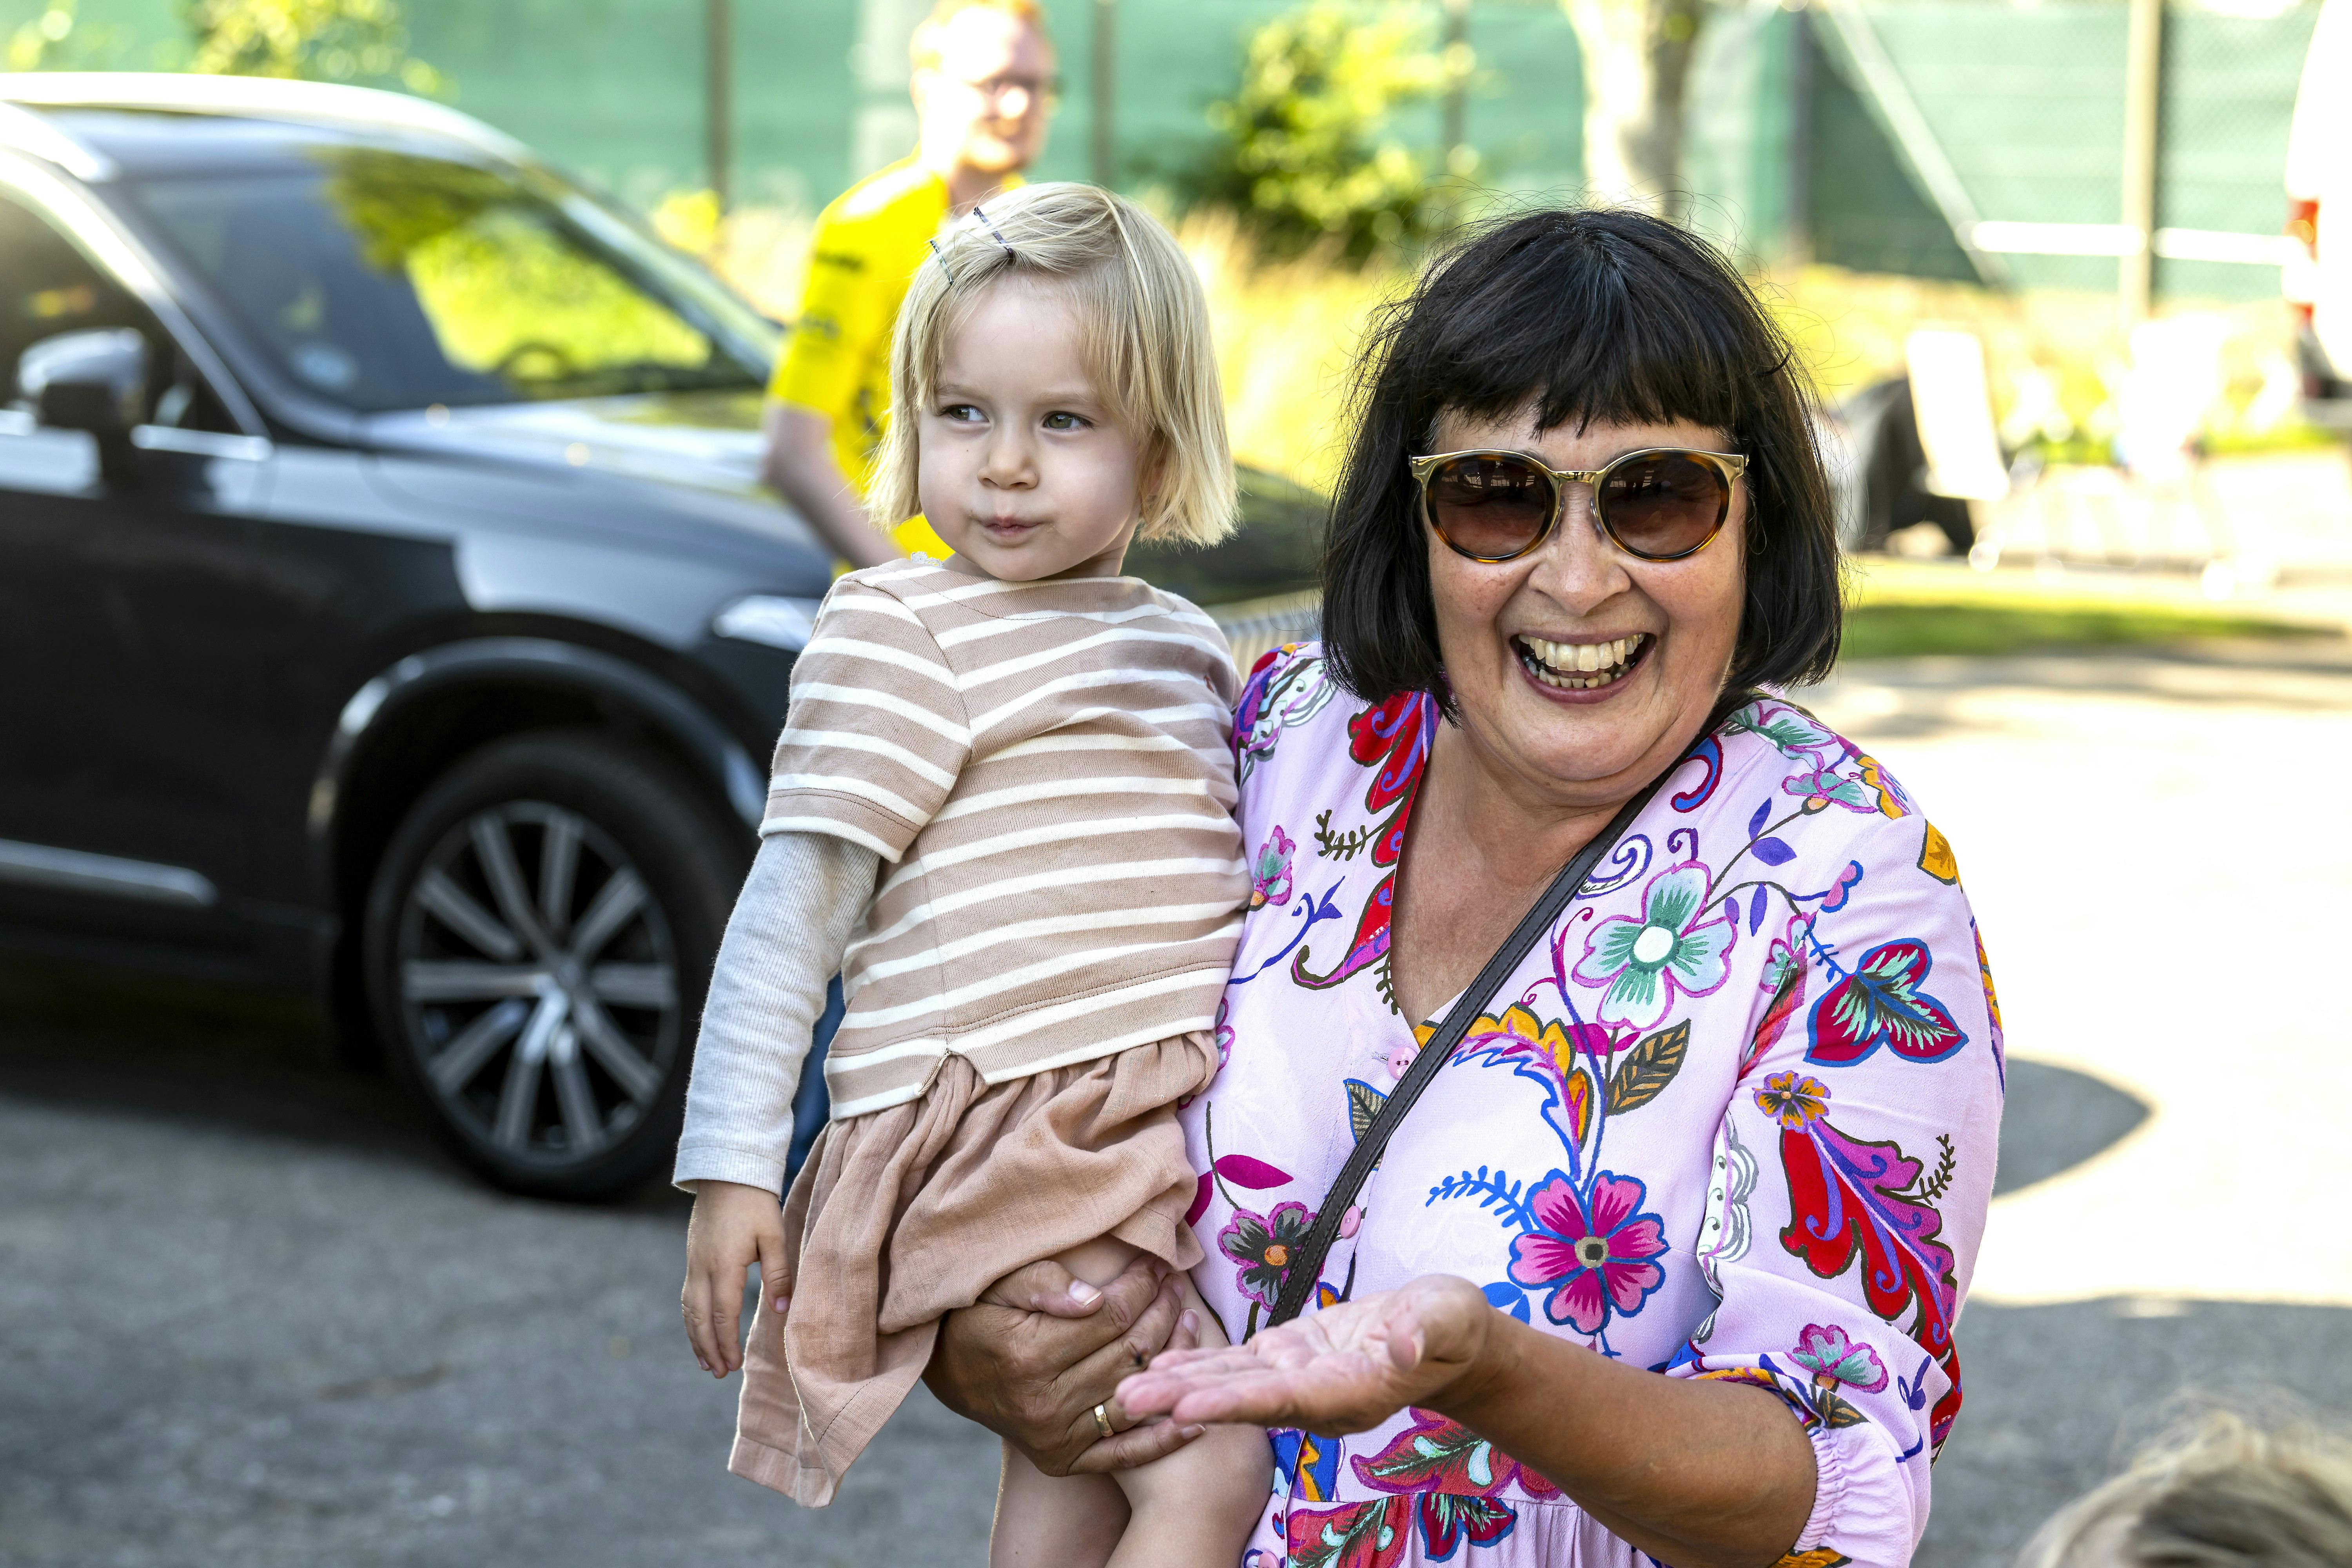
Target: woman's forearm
1699,1474
805,893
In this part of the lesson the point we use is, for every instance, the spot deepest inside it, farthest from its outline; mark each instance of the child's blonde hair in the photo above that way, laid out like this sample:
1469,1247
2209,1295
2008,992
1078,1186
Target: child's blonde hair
1145,322
2221,1491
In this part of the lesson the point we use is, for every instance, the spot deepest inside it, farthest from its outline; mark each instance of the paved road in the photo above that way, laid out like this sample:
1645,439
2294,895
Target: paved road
248,1316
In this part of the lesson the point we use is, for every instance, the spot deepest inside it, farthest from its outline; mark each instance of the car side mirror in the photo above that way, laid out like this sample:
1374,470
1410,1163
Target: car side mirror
93,381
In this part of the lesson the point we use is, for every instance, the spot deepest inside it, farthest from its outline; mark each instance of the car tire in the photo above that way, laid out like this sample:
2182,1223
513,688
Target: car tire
538,941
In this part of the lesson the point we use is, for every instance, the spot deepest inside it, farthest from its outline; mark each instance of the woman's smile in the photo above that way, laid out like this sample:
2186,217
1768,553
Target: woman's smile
1581,669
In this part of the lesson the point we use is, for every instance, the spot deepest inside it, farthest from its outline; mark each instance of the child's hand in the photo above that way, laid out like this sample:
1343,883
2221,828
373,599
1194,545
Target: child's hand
733,1227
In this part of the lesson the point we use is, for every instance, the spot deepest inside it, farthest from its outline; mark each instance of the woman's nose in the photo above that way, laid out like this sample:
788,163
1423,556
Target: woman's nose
1580,566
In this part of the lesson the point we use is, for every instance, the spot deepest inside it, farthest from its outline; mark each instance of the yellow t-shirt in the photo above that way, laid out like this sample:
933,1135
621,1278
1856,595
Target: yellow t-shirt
836,362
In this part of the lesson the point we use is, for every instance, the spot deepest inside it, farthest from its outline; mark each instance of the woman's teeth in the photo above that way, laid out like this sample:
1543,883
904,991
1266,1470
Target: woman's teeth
1579,666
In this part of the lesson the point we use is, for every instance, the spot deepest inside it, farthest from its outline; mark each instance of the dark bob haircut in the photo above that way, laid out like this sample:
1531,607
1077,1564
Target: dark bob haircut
1596,316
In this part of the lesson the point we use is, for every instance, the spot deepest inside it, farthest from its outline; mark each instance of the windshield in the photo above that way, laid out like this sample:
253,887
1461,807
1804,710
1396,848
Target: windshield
386,280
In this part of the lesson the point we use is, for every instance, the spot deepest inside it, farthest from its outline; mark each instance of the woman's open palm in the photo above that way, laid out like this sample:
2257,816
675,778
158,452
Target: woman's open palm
1346,1368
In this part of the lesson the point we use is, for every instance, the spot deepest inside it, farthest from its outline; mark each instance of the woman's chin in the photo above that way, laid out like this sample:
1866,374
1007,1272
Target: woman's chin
1588,737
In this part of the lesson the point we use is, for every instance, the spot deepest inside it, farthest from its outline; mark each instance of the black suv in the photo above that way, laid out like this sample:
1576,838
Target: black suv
387,602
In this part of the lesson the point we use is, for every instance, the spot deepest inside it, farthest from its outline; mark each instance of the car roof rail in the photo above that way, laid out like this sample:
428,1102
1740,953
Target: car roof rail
257,97
25,131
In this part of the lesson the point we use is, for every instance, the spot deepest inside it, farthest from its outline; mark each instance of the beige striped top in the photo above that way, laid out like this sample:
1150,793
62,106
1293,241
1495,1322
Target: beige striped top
1045,769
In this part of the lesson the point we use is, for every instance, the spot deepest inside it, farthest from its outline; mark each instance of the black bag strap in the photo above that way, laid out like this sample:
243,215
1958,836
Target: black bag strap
1307,1264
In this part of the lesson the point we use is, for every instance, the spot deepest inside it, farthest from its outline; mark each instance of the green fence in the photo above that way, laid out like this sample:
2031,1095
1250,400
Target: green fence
2026,110
1792,144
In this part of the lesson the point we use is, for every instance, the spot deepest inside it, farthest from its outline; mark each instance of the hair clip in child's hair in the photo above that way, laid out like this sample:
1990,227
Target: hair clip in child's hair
992,234
981,214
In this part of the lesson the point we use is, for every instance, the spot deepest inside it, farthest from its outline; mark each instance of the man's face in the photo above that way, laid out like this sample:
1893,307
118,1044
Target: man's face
985,105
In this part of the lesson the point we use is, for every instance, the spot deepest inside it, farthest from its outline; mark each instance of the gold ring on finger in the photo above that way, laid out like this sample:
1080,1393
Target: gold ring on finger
1102,1422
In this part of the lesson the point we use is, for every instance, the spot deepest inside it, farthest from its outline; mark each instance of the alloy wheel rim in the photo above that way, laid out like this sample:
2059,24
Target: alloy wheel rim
538,981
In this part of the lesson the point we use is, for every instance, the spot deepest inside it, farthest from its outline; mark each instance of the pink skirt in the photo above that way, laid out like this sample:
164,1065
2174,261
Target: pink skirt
908,1213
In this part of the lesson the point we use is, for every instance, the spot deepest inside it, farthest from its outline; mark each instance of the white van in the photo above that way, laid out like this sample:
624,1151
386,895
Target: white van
2319,214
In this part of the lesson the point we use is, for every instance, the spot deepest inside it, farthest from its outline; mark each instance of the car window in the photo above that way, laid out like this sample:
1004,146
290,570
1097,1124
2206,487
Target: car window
381,280
47,286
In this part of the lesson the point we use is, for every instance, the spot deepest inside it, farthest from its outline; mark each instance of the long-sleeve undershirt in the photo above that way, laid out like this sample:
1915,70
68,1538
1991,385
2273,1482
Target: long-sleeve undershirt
783,944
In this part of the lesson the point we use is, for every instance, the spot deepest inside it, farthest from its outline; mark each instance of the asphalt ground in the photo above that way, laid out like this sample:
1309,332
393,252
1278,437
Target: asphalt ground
249,1314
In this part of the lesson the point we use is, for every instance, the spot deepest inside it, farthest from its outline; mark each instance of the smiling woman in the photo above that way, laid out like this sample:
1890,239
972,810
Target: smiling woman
1665,1257
1633,328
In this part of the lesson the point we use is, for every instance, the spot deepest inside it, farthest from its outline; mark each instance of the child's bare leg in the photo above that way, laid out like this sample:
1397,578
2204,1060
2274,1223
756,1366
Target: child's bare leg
1196,1506
1048,1522
1051,1521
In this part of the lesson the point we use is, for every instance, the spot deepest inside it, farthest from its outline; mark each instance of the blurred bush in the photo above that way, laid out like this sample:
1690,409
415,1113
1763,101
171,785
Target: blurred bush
361,41
1301,153
317,40
60,40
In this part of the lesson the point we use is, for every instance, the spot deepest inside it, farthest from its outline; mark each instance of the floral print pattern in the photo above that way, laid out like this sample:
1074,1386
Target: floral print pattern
1593,1263
1832,1357
1270,873
1643,960
1284,692
1734,1118
1793,1099
1262,1245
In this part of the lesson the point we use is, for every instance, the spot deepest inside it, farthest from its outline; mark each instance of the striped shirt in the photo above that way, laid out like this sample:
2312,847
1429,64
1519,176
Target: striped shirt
1044,768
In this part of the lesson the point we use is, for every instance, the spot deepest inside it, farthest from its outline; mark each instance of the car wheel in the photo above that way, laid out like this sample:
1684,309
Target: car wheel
538,941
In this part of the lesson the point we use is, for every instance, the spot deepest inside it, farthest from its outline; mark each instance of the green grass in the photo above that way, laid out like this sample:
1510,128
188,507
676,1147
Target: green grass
1901,628
1897,608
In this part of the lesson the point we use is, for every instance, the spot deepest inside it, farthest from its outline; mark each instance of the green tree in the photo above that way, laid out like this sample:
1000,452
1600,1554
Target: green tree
58,39
315,40
1302,152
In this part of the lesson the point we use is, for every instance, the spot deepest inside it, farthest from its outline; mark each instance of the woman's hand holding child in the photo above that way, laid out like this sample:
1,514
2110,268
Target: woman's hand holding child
1030,1358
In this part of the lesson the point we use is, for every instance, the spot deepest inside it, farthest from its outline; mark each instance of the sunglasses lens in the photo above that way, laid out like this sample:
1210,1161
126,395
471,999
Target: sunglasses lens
1489,506
1665,506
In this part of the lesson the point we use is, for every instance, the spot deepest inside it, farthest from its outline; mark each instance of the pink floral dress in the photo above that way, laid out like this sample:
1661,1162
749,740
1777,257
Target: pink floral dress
1735,1119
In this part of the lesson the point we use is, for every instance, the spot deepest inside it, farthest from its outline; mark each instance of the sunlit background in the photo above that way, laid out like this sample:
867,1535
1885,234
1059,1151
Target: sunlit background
2103,638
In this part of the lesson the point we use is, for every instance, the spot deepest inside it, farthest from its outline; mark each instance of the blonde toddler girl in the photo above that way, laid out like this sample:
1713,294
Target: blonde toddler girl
1001,807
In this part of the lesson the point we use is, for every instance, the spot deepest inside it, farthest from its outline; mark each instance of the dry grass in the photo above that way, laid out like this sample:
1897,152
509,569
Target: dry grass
1288,333
2055,360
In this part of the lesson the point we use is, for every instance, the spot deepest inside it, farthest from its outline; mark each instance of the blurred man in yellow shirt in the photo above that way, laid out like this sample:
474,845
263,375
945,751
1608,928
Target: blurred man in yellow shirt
983,86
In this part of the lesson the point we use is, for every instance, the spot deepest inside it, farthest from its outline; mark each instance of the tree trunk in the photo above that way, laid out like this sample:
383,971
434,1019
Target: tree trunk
1637,55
